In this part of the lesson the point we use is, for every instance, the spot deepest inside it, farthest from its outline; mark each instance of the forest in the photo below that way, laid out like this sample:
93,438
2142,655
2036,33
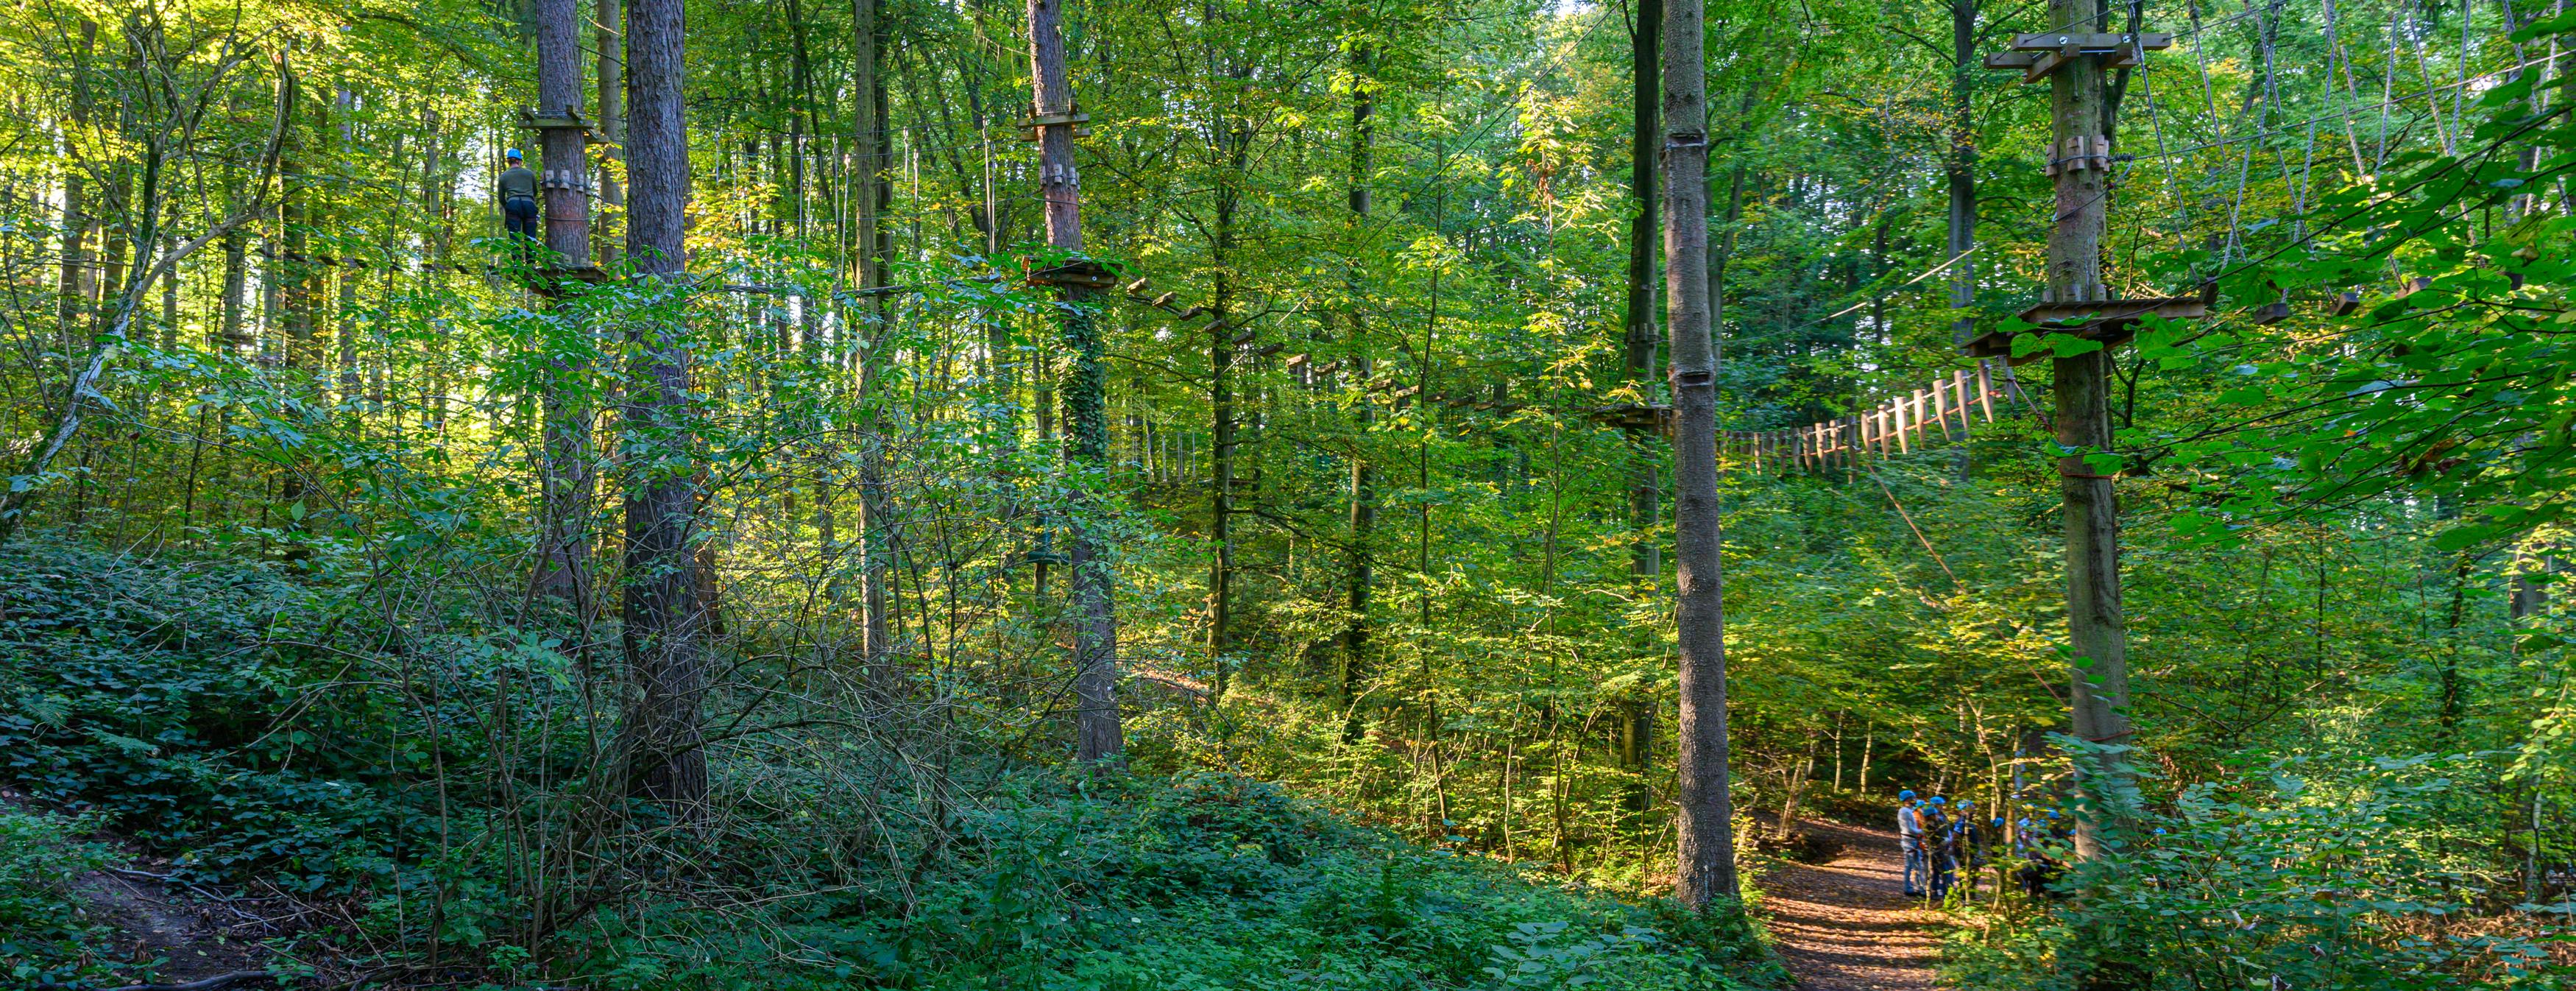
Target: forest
1738,495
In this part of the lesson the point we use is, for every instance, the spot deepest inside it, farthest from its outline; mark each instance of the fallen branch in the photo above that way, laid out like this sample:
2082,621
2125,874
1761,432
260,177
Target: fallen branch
202,984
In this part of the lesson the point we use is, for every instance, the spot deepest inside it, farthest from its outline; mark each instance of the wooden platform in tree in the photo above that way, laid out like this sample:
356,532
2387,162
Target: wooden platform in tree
2110,321
1078,273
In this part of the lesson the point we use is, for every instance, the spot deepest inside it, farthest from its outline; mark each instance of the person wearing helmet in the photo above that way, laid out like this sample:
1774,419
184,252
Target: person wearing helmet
1965,856
1940,868
1909,841
519,198
2037,846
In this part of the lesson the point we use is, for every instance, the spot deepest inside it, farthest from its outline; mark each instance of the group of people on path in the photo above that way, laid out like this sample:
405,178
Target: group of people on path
1941,842
1938,841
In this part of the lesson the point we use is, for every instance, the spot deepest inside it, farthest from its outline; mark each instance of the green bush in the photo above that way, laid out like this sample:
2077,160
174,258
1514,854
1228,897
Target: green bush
2318,875
1214,881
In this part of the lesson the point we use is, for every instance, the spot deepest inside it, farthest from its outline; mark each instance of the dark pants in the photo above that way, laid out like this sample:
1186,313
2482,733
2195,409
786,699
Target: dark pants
522,214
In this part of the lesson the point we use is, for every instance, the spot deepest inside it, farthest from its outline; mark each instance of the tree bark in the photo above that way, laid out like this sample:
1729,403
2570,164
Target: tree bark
1232,140
1706,829
1644,501
1961,167
609,42
563,561
1360,575
2096,630
1097,736
663,742
877,534
72,289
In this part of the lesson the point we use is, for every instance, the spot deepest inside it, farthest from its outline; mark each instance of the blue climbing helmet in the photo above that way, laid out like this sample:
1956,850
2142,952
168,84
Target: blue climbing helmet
512,154
1905,796
1938,800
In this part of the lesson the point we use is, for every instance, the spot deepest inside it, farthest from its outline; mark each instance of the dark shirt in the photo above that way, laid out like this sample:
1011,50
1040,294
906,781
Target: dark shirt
518,182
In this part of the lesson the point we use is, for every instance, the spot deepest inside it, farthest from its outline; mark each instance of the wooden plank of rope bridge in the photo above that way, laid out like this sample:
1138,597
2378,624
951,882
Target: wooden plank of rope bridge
1904,443
1986,390
1959,388
1940,409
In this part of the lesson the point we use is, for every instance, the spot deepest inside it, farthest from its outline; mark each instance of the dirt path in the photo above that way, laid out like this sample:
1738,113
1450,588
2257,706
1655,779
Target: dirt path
1846,925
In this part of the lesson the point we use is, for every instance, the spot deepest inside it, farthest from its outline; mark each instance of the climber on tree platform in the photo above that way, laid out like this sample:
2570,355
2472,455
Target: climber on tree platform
519,198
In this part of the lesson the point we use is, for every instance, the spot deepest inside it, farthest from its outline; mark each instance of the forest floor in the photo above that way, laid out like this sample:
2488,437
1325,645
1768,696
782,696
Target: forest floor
1846,925
181,934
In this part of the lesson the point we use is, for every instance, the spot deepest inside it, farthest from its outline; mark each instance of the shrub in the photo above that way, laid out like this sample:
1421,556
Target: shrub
2321,876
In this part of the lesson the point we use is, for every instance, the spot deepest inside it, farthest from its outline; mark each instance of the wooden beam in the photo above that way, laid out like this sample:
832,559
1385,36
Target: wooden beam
2090,43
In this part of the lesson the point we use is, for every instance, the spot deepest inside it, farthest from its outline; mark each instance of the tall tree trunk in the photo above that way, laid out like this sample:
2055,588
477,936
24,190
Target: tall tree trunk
1960,167
1233,144
2095,628
1097,734
1360,574
1646,50
563,563
345,315
1220,592
72,289
877,534
1645,554
663,737
608,40
1707,829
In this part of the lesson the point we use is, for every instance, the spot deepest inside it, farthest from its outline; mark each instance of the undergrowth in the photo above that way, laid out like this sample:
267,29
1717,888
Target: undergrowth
251,722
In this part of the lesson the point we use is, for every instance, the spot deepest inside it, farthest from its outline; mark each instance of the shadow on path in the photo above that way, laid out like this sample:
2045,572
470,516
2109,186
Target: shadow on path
1847,925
